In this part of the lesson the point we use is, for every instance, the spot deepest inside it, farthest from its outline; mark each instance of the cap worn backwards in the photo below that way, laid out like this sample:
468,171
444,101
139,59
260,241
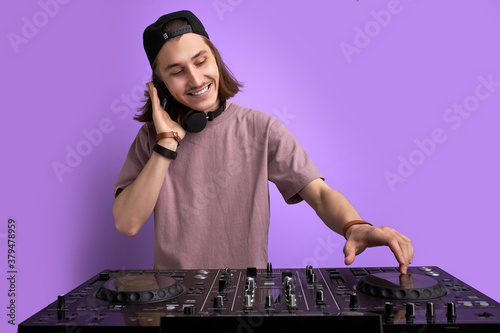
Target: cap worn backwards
154,37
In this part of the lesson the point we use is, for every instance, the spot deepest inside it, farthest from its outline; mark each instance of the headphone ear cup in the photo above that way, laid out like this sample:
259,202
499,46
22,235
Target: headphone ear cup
159,85
193,121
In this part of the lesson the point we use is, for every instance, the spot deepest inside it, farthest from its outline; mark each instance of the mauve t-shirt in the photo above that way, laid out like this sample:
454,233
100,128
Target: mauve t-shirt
213,207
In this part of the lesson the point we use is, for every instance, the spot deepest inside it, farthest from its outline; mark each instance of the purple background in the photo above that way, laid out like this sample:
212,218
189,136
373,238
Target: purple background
70,69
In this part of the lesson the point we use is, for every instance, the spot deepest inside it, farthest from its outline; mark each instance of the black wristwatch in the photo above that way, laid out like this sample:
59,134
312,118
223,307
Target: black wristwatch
167,153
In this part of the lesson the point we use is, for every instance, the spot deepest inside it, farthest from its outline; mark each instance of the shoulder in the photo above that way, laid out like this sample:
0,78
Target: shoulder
146,136
147,130
252,116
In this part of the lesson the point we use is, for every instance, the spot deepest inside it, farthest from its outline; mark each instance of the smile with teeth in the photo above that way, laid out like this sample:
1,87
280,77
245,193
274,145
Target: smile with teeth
196,93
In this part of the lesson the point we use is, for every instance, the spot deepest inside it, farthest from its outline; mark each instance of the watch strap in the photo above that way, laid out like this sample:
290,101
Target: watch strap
167,153
172,134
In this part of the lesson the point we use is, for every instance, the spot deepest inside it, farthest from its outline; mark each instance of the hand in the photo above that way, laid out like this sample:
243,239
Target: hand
361,236
161,119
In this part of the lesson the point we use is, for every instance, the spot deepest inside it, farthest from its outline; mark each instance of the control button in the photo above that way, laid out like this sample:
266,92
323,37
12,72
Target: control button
309,270
252,272
484,303
269,302
189,310
218,302
288,283
269,268
292,302
451,312
410,313
353,301
430,313
222,284
61,304
320,297
389,313
284,275
250,285
247,301
431,273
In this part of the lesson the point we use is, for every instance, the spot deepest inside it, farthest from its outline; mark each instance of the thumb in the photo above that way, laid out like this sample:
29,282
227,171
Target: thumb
350,253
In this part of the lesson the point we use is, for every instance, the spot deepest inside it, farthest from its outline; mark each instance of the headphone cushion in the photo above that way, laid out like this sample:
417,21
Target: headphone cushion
193,121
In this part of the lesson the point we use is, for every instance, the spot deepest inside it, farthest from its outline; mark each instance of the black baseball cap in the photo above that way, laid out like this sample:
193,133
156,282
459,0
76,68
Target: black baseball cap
154,37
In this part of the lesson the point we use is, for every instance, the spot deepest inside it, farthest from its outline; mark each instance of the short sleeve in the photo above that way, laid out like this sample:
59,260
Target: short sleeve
138,155
289,166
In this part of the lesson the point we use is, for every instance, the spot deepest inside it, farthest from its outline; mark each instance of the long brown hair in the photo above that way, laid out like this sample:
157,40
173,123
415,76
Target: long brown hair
228,85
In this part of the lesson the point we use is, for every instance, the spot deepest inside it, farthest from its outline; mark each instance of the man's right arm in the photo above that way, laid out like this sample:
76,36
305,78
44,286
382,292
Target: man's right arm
134,205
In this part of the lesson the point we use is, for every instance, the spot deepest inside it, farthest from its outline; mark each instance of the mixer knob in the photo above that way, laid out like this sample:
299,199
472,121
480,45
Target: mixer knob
410,313
309,270
353,301
218,302
252,272
312,278
227,274
61,303
285,275
61,314
320,297
222,284
451,312
389,313
292,301
189,310
250,284
61,306
288,283
269,269
269,302
247,301
430,313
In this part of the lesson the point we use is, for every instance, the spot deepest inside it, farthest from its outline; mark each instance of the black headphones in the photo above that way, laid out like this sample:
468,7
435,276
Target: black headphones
191,120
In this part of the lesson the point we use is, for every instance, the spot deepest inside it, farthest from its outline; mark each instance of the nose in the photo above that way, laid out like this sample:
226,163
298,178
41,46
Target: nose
195,77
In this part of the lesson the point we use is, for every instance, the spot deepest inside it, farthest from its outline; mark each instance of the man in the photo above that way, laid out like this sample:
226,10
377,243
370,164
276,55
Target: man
207,182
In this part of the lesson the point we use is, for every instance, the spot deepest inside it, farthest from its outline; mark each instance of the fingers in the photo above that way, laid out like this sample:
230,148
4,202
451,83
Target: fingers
153,94
349,252
400,256
402,248
363,237
161,119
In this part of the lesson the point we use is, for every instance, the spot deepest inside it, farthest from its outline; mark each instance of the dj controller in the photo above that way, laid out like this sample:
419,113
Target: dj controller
372,299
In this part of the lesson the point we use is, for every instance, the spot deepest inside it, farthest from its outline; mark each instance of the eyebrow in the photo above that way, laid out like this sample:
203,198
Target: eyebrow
192,58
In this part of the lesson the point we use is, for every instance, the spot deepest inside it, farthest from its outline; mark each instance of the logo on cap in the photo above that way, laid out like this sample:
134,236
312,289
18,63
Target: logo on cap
165,36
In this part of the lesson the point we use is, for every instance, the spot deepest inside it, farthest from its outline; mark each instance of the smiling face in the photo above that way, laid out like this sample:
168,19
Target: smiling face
188,68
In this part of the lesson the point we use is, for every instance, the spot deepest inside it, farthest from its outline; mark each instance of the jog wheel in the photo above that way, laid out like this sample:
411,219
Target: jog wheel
401,286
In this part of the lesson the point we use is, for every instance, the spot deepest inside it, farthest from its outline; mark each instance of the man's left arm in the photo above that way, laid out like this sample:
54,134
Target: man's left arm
335,211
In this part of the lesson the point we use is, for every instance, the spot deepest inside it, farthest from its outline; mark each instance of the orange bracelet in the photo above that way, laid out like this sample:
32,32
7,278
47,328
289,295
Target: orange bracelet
171,134
351,223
